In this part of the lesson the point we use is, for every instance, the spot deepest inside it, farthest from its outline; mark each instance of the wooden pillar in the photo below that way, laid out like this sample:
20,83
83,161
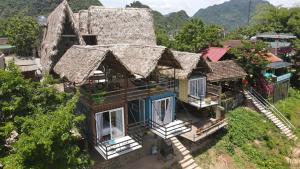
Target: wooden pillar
174,73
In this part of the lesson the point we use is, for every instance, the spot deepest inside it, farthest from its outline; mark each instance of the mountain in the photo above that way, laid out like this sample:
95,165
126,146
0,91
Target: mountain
231,14
170,23
10,8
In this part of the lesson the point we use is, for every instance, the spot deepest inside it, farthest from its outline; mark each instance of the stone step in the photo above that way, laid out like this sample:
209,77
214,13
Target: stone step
187,163
193,166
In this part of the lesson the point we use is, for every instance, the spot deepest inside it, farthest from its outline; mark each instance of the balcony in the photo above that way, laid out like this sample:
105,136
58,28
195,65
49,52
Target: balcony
134,89
170,130
116,147
212,97
283,77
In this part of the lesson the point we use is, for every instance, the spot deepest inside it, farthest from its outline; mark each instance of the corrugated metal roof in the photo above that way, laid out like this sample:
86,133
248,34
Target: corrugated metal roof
214,54
273,35
278,65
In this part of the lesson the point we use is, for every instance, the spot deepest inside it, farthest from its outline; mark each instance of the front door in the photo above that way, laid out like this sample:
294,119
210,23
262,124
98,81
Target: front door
162,111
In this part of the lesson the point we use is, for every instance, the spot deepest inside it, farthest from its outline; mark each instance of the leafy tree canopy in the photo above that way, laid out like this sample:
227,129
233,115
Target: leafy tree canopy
22,31
195,35
43,119
248,56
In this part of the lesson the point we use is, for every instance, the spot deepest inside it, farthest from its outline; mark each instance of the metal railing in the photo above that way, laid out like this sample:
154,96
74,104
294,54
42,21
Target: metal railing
170,130
271,107
204,132
135,131
131,92
212,92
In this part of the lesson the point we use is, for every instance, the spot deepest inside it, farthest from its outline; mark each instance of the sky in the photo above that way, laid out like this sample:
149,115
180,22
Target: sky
190,6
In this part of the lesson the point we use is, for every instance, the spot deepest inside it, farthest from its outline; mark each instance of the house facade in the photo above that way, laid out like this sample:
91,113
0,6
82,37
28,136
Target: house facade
111,55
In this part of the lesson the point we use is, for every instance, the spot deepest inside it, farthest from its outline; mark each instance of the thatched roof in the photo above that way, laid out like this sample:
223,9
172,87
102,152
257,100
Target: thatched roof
26,64
118,25
53,32
226,70
188,61
79,62
142,60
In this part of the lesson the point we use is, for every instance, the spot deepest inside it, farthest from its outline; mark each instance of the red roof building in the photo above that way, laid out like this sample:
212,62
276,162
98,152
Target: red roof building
214,54
272,58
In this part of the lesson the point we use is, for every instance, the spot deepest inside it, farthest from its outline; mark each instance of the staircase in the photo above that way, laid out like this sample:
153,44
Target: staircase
187,162
271,112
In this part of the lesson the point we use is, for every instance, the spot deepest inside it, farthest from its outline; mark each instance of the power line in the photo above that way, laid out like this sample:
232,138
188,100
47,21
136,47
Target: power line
249,12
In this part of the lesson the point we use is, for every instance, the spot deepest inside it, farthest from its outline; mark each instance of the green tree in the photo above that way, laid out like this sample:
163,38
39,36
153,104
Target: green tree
46,141
249,57
22,31
44,121
195,35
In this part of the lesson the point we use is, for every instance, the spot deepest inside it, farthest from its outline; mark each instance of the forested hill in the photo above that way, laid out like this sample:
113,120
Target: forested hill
231,14
170,23
10,8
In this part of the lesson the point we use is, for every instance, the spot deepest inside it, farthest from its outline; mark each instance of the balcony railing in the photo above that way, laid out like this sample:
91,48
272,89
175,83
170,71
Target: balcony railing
170,130
136,89
212,97
120,146
198,133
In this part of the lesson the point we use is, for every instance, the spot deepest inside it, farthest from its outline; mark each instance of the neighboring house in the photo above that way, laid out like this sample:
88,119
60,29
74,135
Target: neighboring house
197,97
232,43
29,67
215,54
116,65
275,82
228,75
278,43
5,47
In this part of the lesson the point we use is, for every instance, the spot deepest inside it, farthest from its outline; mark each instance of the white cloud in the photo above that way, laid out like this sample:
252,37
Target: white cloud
190,6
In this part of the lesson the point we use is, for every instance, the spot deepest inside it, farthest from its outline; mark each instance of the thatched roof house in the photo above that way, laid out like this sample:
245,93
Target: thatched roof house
53,32
118,25
226,70
80,62
142,60
105,26
138,60
188,61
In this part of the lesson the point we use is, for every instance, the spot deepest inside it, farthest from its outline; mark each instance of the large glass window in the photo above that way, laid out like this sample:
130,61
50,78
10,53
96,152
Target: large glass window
110,124
162,110
197,87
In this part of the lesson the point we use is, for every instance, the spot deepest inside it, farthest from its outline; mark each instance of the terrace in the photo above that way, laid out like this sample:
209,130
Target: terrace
203,124
212,97
104,90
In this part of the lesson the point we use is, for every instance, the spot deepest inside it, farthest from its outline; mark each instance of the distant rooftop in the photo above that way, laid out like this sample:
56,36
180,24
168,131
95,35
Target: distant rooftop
273,35
214,54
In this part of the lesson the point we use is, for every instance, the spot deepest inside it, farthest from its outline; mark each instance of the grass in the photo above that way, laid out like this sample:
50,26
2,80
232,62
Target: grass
290,107
250,142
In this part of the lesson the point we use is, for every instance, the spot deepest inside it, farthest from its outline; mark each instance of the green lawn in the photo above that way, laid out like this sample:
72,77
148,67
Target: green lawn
251,141
290,107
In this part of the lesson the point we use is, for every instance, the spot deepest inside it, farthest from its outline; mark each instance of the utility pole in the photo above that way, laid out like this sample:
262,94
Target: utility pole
249,12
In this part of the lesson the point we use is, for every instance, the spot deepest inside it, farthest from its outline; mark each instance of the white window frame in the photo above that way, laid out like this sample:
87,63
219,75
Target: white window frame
109,111
198,87
159,100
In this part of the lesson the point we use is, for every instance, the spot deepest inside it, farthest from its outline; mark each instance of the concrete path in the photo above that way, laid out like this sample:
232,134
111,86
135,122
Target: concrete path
187,162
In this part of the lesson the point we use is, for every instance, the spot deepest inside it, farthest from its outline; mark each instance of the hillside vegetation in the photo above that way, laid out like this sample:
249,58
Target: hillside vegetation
10,8
251,141
230,14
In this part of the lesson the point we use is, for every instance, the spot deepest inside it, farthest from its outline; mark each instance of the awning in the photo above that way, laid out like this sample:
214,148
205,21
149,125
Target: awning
278,65
6,47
